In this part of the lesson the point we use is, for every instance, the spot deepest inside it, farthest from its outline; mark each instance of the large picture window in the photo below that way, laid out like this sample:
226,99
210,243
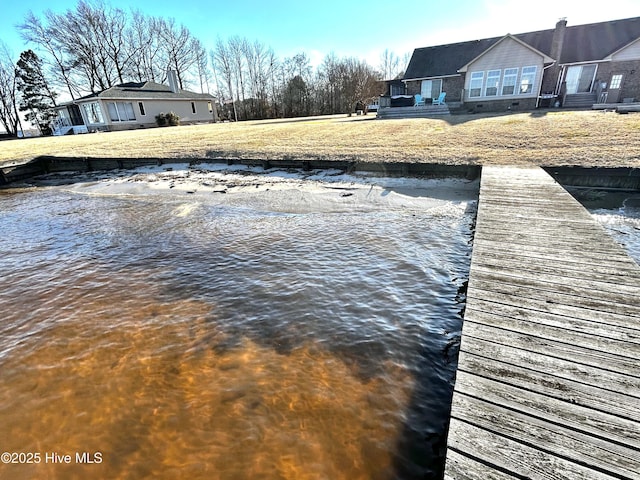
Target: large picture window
493,83
527,80
475,84
509,81
121,111
93,112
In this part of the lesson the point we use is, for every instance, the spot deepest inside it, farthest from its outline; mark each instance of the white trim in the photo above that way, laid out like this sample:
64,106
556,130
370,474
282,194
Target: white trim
486,84
535,77
405,80
138,99
481,72
593,78
595,62
515,81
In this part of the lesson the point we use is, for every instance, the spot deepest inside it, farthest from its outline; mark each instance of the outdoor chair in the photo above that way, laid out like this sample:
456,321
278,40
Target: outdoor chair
419,100
440,99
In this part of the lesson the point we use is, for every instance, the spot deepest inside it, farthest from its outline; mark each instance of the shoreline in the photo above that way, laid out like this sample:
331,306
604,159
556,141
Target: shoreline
273,189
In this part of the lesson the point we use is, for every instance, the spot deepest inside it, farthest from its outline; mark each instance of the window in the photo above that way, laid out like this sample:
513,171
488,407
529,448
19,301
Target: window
616,82
120,111
193,107
509,81
141,107
93,112
493,82
475,85
527,80
397,90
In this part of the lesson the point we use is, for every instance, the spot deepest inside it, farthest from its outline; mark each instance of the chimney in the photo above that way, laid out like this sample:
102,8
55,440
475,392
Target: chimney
558,39
173,80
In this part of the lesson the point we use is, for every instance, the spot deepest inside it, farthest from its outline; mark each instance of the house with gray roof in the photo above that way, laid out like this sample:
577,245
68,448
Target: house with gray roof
571,66
133,105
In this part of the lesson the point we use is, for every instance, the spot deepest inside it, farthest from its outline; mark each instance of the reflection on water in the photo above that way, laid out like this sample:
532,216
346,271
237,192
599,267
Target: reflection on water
185,339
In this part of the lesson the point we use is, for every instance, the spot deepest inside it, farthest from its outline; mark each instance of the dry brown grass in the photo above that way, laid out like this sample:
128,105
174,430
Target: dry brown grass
551,138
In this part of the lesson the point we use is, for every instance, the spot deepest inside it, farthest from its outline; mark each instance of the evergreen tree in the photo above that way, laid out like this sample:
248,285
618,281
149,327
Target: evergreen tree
37,99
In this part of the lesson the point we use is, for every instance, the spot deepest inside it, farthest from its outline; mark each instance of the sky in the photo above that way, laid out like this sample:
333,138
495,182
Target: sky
360,28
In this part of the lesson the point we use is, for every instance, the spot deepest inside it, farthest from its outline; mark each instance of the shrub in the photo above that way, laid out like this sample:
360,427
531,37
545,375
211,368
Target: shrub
173,119
161,120
164,119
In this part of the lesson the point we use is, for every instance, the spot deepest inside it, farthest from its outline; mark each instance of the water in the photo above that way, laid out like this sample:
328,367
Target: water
619,214
288,329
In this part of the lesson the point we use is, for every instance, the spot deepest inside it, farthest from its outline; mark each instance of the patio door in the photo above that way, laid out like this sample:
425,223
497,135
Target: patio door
580,78
431,88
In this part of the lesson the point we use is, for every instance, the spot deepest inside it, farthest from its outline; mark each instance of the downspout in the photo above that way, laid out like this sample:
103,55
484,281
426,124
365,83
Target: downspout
558,90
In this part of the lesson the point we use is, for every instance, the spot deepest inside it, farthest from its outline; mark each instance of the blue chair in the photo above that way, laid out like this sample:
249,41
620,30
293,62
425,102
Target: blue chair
418,101
440,99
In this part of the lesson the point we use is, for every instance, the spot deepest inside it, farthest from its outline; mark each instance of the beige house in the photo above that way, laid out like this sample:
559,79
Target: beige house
133,105
510,70
584,66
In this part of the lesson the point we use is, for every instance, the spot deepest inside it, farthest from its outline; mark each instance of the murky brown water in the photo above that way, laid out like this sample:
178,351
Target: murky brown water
178,338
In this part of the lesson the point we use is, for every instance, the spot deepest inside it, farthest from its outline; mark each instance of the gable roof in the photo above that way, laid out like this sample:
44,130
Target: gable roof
445,60
145,91
596,41
508,36
582,43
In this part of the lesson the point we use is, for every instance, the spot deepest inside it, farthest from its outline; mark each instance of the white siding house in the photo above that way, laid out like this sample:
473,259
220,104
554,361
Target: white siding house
133,105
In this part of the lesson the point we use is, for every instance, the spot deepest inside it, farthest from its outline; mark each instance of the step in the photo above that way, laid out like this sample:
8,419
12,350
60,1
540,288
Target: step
410,112
580,100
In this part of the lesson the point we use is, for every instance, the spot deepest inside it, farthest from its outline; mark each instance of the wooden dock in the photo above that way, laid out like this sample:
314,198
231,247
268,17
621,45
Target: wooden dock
548,381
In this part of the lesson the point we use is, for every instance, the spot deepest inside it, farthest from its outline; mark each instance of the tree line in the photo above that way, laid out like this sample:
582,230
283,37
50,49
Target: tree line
94,46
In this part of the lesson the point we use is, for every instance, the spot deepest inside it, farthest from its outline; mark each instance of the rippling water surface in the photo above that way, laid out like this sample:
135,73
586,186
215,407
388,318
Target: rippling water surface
619,214
624,226
184,336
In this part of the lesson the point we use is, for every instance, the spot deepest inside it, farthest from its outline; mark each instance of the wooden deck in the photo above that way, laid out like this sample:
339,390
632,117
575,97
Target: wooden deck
548,381
425,111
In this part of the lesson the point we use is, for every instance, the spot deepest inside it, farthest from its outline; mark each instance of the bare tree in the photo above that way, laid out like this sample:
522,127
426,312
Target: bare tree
202,63
147,59
9,117
273,75
362,83
221,58
257,57
389,62
181,48
95,46
112,28
236,49
45,36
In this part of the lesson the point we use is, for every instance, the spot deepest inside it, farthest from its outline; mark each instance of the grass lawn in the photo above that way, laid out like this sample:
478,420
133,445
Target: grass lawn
546,138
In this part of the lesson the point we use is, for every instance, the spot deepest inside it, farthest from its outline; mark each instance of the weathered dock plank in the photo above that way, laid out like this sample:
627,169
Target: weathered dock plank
548,381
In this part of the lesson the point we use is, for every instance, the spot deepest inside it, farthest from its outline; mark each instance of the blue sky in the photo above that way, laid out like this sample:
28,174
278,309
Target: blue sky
362,28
